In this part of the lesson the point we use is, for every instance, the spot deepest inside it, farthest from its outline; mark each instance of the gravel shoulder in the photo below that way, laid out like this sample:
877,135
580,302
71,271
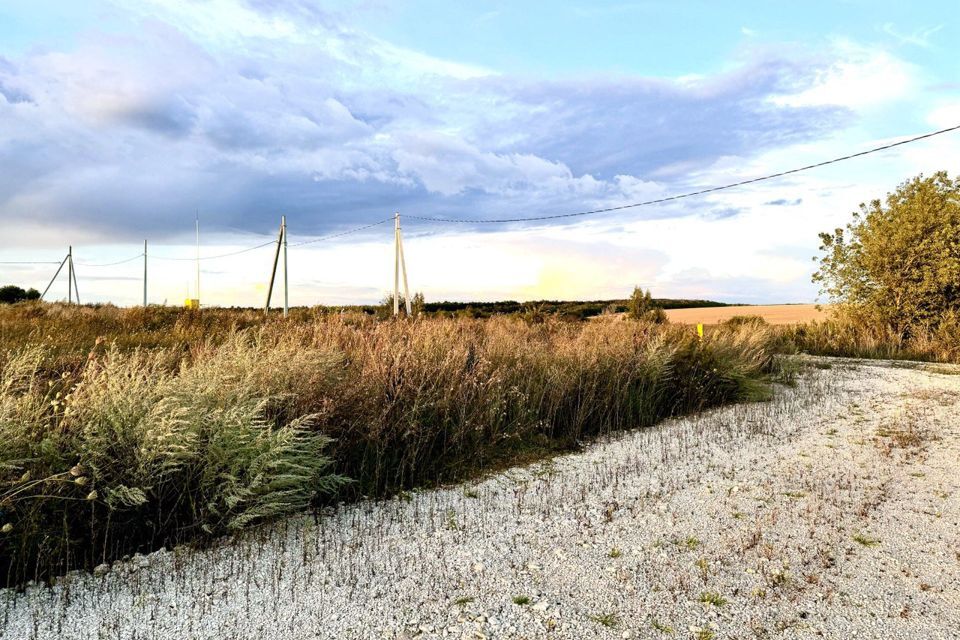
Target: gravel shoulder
831,511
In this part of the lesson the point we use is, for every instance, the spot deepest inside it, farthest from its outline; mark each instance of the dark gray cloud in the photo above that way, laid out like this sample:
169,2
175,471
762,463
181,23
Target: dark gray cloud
14,95
8,89
785,202
172,117
639,126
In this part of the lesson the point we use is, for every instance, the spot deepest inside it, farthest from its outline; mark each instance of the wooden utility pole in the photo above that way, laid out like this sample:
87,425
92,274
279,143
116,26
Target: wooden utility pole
286,288
281,243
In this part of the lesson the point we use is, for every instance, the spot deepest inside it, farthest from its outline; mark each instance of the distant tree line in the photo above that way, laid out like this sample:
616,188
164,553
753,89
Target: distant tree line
575,309
11,293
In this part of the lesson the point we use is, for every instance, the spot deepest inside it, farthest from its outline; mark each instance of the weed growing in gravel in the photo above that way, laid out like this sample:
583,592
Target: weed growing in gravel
463,601
609,620
615,553
691,543
712,598
704,566
661,627
521,600
866,540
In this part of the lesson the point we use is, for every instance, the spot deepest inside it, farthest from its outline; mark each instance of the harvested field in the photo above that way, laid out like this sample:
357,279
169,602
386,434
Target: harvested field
832,511
772,313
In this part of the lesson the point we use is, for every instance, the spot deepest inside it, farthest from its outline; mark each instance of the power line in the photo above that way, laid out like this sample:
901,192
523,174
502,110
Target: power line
112,264
691,193
222,255
32,262
342,233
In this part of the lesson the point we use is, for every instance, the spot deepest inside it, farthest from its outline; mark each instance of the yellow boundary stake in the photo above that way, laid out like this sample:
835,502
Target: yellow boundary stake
700,330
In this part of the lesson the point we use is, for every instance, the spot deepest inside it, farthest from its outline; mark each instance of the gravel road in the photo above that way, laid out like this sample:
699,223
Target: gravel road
832,511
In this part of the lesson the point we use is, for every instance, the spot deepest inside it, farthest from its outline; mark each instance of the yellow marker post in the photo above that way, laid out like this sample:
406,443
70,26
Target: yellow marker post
700,330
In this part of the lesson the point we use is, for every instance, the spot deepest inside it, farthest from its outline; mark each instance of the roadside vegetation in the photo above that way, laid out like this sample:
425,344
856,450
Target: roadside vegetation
893,275
124,430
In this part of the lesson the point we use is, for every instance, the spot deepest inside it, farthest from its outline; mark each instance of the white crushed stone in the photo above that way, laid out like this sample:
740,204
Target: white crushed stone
761,504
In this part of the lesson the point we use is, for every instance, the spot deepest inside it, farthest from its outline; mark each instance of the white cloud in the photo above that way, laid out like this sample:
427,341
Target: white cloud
920,37
859,78
946,115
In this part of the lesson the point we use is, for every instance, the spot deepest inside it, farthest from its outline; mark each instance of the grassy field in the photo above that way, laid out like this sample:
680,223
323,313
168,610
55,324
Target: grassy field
124,430
771,313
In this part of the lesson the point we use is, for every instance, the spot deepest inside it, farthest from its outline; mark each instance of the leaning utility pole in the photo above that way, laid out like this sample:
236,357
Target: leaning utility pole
398,264
286,288
73,274
59,269
281,242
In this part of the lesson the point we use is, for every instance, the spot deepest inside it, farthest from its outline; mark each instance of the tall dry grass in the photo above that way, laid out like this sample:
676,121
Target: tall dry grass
849,337
185,426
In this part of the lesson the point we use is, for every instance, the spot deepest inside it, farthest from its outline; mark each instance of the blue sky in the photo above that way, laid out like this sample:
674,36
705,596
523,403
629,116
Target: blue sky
120,119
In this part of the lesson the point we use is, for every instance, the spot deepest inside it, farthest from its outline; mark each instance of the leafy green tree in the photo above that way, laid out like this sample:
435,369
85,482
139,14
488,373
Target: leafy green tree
12,293
417,304
385,308
642,307
897,263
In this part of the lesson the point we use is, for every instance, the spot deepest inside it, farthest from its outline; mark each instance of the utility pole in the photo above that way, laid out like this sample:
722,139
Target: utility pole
286,289
59,269
281,242
399,263
406,287
76,289
144,273
70,274
396,263
198,258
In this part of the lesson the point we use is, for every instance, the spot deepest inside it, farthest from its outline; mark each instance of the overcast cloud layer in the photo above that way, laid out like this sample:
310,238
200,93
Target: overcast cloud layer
244,111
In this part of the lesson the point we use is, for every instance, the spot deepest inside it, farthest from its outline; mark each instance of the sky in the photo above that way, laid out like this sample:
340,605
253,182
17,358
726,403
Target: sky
124,120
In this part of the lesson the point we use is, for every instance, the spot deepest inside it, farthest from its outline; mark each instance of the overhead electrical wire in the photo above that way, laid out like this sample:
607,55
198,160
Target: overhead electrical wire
215,257
342,233
110,264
